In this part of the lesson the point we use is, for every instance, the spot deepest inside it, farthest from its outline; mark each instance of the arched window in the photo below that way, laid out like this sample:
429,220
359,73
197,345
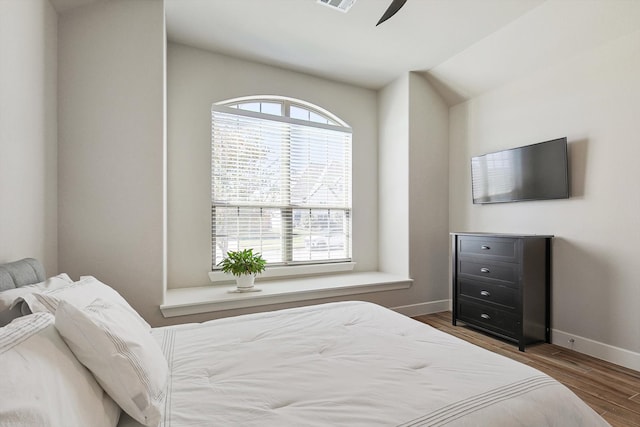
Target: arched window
280,181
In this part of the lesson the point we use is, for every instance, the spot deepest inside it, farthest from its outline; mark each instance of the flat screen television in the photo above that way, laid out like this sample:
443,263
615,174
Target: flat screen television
532,172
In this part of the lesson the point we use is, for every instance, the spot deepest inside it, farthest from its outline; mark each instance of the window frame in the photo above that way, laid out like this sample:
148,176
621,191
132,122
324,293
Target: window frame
233,106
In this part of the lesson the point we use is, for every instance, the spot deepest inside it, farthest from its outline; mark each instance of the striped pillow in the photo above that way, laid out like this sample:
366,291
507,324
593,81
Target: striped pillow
122,354
43,384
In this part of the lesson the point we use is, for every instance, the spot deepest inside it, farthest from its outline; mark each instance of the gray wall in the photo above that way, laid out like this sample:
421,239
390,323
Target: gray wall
413,192
593,100
111,153
393,167
195,80
428,191
111,147
400,134
28,132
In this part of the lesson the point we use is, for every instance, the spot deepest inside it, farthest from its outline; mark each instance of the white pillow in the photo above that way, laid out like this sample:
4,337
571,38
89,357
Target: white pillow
80,294
122,354
43,384
11,299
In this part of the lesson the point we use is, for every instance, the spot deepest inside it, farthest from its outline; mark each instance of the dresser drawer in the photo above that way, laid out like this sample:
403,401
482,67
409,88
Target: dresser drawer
488,292
503,249
490,318
504,272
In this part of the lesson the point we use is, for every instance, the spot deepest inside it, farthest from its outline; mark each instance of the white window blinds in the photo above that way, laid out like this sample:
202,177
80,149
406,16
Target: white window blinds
281,186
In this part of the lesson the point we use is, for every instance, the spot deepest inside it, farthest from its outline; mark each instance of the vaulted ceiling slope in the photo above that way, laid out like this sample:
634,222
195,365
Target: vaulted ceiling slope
464,47
309,37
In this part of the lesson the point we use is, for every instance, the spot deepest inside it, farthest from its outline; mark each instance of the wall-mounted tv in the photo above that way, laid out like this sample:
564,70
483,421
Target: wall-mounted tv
532,172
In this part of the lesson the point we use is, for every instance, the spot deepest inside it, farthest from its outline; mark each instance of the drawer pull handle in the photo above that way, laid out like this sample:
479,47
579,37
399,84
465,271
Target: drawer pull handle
484,270
485,293
485,316
485,247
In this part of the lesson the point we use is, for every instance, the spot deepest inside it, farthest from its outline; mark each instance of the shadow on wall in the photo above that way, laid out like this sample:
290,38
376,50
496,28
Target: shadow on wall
581,295
450,94
577,152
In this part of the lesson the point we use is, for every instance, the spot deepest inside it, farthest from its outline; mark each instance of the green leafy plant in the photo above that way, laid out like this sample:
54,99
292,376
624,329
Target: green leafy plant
243,262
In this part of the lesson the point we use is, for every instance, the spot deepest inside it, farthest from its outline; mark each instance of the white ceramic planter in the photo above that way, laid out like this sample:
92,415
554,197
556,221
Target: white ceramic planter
244,283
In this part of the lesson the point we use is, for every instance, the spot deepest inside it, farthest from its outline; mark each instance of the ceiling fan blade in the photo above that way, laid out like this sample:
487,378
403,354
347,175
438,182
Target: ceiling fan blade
391,10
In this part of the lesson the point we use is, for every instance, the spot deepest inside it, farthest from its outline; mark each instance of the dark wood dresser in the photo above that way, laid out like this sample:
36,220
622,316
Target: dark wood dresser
502,284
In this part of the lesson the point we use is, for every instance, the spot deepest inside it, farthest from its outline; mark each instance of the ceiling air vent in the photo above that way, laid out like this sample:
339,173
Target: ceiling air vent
341,5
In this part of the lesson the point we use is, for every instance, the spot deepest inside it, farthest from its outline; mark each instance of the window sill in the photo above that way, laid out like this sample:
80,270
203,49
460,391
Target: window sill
205,299
292,270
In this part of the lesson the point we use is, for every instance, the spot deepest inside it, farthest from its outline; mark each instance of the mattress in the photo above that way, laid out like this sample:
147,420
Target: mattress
350,364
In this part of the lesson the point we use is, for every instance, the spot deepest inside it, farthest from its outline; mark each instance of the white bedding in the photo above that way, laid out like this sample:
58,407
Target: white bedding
350,364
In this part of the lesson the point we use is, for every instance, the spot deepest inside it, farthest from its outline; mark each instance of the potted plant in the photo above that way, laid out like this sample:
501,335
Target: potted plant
244,265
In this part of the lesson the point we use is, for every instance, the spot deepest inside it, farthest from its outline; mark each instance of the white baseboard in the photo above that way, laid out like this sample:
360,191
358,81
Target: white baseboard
413,310
617,355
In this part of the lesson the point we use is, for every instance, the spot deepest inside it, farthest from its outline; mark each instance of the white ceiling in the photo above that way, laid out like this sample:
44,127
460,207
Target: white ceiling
553,32
464,47
307,36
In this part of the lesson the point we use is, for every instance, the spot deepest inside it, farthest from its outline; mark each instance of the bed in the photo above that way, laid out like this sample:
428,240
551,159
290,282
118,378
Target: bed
337,364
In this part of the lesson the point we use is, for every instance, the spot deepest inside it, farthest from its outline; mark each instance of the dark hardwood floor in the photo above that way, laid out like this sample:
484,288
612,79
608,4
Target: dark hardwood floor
611,390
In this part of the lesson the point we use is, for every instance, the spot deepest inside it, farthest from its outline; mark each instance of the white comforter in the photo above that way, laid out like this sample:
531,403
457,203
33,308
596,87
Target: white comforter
350,364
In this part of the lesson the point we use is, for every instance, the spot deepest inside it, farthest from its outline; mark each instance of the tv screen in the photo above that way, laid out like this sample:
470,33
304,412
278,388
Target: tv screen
533,172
